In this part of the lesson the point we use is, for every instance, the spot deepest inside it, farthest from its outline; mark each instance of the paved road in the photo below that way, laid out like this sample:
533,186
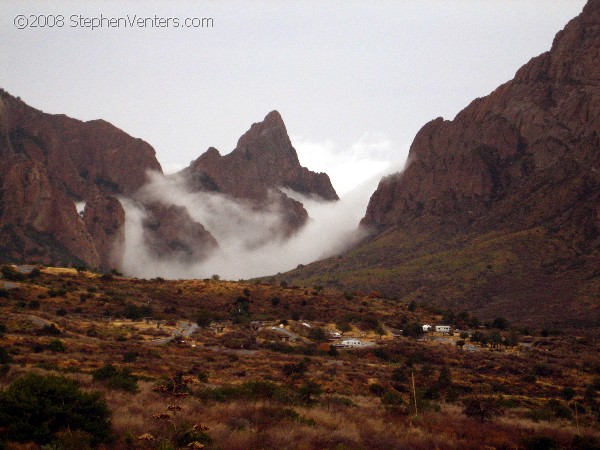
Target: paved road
287,333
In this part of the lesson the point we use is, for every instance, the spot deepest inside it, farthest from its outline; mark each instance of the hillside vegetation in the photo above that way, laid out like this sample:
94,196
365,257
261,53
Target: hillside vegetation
244,365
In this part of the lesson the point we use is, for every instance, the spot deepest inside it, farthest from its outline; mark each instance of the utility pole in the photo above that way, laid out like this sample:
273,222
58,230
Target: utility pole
414,391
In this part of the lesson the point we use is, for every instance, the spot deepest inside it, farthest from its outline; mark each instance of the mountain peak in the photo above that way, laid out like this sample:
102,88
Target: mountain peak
268,135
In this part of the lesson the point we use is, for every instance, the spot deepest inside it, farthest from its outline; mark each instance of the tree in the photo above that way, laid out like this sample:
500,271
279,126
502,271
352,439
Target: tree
317,334
309,390
36,408
500,323
414,330
495,339
204,317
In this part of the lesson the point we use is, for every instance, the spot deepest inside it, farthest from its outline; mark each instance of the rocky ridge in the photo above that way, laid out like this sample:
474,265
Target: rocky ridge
263,162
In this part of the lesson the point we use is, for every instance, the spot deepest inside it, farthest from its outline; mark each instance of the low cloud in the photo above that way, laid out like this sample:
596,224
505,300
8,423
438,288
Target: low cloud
249,242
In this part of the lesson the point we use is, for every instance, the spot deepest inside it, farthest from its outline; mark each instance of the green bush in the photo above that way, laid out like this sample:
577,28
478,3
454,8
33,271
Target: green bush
37,408
115,378
5,357
250,390
56,345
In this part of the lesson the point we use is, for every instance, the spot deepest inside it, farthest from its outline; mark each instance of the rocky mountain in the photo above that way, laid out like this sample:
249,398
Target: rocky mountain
263,161
498,210
49,163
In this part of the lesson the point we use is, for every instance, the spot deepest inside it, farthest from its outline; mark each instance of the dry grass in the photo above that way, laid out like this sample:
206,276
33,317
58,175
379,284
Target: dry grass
359,420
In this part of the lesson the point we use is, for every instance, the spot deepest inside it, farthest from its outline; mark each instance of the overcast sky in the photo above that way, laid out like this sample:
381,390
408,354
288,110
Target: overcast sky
353,80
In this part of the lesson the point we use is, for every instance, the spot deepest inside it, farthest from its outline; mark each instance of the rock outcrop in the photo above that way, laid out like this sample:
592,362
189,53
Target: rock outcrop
263,162
171,233
497,212
104,218
527,154
49,162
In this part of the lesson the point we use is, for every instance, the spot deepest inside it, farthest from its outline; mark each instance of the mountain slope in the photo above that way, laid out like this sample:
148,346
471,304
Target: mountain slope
263,162
48,163
498,210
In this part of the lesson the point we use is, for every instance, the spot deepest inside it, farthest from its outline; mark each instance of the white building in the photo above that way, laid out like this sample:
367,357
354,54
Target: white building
352,342
442,328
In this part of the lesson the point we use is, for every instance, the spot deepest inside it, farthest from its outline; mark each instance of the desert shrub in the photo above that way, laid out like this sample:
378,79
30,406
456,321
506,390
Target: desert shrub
250,390
2,330
50,330
540,414
392,398
560,410
540,443
134,312
386,354
56,345
542,370
57,292
337,401
5,357
36,408
130,357
280,347
483,409
34,304
116,378
377,389
295,370
202,377
308,392
530,378
567,393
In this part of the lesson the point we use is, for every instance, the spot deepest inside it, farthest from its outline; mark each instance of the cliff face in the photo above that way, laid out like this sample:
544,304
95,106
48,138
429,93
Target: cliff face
263,161
49,162
525,155
498,210
170,232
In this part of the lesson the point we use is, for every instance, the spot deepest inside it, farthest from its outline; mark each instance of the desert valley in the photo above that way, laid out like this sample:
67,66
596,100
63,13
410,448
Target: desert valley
210,308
